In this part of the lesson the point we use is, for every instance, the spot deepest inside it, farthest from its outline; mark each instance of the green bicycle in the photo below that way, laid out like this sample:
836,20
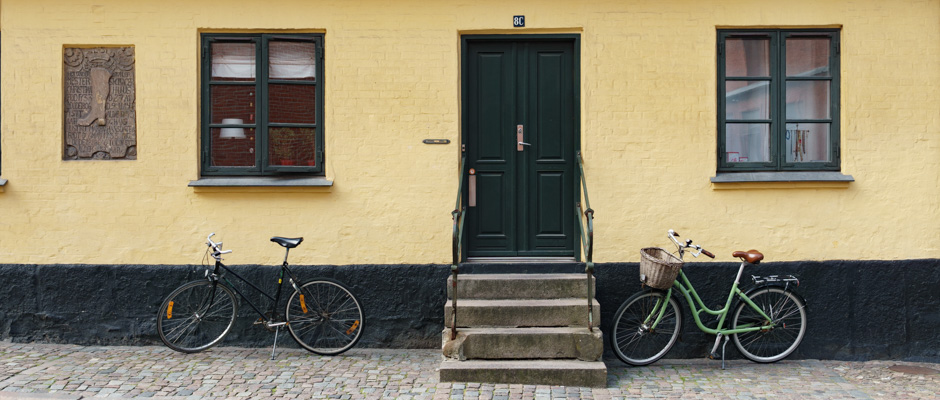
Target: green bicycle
767,323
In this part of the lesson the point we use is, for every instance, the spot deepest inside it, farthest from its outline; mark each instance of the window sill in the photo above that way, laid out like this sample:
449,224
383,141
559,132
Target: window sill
3,182
257,183
774,180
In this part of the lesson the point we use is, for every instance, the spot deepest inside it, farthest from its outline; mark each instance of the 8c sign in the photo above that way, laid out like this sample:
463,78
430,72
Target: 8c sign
518,21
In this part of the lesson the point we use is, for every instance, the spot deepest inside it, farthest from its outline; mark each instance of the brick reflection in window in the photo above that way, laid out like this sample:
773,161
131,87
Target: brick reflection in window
292,104
292,146
230,101
233,152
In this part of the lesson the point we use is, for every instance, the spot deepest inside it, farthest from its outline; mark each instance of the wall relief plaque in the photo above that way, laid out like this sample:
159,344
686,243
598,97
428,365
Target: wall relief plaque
100,105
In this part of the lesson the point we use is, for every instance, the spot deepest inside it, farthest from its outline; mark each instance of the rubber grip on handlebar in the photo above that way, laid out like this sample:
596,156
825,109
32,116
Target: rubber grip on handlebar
708,253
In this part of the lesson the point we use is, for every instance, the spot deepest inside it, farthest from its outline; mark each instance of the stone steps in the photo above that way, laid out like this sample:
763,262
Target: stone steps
522,313
519,286
523,328
528,343
527,372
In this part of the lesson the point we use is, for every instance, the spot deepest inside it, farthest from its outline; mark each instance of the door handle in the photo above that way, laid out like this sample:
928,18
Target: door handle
472,195
520,137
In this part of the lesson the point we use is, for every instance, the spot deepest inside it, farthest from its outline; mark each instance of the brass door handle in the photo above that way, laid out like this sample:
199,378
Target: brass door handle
472,195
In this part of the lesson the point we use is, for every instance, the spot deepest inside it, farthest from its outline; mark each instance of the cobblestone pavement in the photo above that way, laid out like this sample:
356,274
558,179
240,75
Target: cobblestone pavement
31,371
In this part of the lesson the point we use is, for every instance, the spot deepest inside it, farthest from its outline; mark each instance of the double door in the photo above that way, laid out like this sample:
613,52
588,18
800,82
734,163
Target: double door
520,124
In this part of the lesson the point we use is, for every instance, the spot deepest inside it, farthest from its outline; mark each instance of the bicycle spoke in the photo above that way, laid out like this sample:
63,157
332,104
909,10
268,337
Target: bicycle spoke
635,340
204,312
328,325
784,331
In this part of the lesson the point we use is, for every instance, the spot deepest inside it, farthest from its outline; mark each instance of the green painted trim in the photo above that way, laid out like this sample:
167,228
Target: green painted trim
778,120
262,166
575,38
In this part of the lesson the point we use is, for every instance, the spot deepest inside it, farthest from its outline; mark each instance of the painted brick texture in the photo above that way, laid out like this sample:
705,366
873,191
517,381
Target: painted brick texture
392,79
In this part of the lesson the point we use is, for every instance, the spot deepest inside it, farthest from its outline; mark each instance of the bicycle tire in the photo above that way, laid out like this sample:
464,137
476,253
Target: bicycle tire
787,311
632,341
324,317
196,316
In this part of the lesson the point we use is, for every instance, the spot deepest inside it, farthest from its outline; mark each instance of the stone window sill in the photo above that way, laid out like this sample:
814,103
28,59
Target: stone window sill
265,183
3,182
787,179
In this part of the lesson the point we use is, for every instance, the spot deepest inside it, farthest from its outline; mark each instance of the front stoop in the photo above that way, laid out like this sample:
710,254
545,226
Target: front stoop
529,329
528,372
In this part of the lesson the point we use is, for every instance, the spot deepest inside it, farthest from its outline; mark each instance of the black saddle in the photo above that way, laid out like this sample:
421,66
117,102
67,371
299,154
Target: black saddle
290,243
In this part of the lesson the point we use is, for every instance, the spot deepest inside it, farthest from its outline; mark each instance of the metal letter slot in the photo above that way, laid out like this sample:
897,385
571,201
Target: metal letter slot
519,139
472,195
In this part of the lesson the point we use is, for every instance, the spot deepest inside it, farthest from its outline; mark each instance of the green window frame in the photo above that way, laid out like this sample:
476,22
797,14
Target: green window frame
778,100
262,104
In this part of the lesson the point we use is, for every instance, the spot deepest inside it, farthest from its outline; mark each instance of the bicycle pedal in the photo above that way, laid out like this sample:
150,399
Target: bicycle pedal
713,356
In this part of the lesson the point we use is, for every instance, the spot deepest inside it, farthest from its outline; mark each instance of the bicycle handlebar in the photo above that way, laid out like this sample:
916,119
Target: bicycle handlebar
687,245
216,246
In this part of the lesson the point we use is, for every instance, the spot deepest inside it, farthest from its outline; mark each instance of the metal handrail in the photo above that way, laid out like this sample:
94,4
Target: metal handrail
587,239
458,216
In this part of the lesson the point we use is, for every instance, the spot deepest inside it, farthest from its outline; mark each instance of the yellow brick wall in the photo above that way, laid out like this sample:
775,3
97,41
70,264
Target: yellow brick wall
648,91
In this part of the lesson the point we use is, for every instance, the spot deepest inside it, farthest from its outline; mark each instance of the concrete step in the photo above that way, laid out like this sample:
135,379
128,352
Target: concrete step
522,313
524,343
529,372
519,286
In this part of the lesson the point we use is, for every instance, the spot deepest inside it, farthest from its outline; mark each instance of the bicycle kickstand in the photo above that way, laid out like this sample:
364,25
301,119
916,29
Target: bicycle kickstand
714,353
273,350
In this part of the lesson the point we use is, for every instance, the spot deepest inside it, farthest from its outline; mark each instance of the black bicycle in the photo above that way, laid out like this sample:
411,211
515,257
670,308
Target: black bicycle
322,315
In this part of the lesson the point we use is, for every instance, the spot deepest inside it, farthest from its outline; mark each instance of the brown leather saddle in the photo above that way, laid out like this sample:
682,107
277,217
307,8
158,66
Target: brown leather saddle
750,256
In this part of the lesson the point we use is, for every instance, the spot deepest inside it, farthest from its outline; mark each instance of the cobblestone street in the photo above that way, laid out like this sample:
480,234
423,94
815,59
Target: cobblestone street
37,371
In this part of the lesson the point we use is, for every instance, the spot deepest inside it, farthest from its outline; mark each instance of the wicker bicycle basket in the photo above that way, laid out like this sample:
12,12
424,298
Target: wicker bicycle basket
658,268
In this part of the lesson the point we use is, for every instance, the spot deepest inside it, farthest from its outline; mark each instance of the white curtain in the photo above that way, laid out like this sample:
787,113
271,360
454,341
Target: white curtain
288,60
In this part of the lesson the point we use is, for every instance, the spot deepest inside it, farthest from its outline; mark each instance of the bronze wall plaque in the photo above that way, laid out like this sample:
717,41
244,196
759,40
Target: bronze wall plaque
100,104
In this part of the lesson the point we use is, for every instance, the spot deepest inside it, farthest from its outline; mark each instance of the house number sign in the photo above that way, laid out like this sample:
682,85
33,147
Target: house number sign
100,104
518,21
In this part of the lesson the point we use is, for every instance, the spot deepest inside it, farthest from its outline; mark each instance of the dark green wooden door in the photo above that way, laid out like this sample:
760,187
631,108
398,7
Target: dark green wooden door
520,132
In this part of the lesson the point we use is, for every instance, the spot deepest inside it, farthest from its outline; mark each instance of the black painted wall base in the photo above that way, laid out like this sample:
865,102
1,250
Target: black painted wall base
858,310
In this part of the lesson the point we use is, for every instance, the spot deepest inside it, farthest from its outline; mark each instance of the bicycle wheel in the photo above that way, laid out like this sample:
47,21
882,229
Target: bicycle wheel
196,316
787,311
324,317
633,339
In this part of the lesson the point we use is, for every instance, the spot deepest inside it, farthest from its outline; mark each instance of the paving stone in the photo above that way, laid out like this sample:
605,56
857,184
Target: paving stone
37,371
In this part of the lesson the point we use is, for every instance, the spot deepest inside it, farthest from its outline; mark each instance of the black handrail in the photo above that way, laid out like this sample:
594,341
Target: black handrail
458,216
587,239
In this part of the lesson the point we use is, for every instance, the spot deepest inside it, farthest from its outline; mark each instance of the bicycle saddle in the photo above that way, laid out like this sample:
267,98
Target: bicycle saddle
290,243
750,256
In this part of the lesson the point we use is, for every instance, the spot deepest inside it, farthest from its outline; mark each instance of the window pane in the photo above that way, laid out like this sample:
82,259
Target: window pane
232,148
808,100
747,57
808,57
233,102
747,99
747,142
292,146
233,61
293,104
292,60
807,143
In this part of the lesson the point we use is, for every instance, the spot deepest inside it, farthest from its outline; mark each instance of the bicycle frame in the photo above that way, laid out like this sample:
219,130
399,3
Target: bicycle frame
692,298
216,276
